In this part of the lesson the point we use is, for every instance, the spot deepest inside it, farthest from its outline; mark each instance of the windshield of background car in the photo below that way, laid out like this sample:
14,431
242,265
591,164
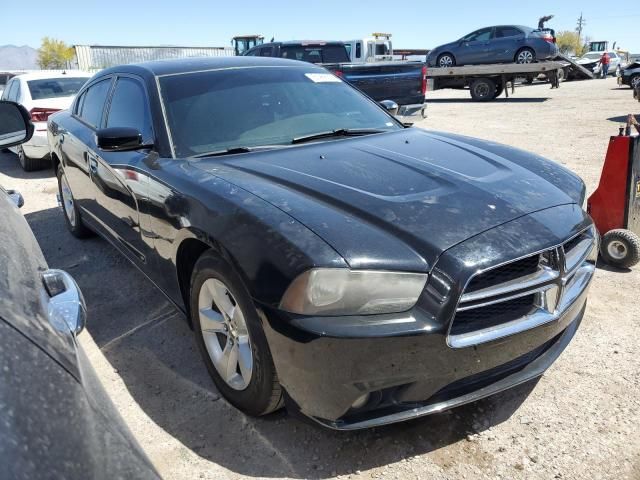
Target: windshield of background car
592,56
315,53
257,106
55,87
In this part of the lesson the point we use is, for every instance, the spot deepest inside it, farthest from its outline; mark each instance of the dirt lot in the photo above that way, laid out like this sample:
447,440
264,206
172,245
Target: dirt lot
581,420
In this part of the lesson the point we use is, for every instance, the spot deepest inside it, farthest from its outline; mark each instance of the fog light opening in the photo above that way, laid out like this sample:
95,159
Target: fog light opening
360,401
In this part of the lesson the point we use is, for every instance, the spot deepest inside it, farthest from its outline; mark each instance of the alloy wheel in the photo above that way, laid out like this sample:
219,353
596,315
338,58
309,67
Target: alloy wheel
22,158
225,333
445,61
67,200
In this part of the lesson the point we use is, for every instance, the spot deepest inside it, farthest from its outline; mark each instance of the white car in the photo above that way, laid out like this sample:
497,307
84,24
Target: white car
591,61
42,93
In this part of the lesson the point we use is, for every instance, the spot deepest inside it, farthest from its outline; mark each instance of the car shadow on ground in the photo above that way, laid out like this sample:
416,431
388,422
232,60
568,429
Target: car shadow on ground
10,166
152,348
501,99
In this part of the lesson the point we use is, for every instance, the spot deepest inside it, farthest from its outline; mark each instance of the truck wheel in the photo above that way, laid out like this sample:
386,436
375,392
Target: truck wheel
230,337
483,89
620,248
29,164
562,75
525,55
446,60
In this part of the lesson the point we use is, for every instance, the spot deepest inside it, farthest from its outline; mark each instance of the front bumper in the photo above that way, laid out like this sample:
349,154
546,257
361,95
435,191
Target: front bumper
323,375
405,365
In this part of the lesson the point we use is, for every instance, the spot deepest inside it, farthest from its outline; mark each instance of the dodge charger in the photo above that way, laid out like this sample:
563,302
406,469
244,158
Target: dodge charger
328,258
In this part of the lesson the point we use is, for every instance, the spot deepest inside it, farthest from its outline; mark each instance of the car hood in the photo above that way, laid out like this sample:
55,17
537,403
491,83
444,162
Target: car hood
407,195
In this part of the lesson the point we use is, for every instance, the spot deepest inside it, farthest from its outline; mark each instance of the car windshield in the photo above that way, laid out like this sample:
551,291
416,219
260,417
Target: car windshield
592,56
55,87
249,107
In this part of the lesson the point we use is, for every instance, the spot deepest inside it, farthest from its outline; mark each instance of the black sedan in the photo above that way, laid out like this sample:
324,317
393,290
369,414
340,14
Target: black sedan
327,257
56,420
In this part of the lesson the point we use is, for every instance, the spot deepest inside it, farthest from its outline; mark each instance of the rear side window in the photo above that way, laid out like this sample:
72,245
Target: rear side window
266,52
316,54
358,49
93,102
503,32
129,107
55,87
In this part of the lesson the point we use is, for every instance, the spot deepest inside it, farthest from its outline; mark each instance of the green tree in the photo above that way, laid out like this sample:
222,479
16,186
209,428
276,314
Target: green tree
54,54
569,42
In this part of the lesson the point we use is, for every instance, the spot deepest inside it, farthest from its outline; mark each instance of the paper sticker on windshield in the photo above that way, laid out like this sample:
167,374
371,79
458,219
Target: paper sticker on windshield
322,77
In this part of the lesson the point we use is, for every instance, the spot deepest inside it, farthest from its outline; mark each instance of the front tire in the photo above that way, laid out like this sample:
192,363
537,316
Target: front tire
69,207
634,81
620,248
29,164
230,338
525,55
446,60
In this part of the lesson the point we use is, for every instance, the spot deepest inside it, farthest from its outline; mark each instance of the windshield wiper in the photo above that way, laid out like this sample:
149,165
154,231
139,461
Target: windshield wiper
234,150
340,132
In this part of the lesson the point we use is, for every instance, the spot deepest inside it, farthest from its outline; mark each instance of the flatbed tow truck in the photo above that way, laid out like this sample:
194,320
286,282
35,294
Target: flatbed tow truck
487,82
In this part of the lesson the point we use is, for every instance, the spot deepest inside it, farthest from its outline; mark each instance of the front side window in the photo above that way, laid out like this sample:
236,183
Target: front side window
358,49
221,109
55,87
93,102
479,35
129,107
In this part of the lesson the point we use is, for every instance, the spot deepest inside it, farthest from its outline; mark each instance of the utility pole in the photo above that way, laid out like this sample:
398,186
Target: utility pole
581,23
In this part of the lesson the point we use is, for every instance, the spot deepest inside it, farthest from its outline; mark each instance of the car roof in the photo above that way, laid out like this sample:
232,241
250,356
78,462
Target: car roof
53,74
196,64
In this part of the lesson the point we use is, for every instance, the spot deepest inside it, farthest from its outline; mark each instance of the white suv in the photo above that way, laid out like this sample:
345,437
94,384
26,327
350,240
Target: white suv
42,93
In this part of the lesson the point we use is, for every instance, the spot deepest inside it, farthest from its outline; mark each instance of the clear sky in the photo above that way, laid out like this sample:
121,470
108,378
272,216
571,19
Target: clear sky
414,24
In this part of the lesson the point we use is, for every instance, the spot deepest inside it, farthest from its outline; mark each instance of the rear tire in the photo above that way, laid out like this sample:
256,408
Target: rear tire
70,209
446,60
224,318
634,81
483,90
525,55
29,164
620,248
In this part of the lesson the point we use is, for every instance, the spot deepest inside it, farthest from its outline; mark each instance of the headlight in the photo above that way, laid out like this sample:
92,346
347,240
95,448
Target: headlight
340,291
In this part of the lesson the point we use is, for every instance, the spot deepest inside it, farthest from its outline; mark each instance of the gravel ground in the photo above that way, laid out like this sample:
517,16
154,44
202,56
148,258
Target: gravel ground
580,420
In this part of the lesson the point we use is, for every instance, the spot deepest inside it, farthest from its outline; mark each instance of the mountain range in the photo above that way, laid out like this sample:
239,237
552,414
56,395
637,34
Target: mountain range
13,57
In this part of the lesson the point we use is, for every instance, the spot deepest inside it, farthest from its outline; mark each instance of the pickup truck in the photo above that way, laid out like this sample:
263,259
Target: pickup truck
402,82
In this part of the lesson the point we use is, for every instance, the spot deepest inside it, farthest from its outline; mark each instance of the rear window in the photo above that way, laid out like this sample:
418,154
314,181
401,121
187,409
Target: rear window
315,54
55,87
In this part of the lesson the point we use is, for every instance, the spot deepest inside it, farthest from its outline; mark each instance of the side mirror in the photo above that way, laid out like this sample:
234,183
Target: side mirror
16,197
119,139
15,124
390,106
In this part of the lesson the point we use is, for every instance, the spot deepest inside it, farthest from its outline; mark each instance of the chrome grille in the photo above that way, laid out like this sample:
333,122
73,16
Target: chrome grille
524,293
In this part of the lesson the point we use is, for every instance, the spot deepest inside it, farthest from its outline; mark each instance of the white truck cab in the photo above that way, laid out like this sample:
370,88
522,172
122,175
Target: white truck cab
377,48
